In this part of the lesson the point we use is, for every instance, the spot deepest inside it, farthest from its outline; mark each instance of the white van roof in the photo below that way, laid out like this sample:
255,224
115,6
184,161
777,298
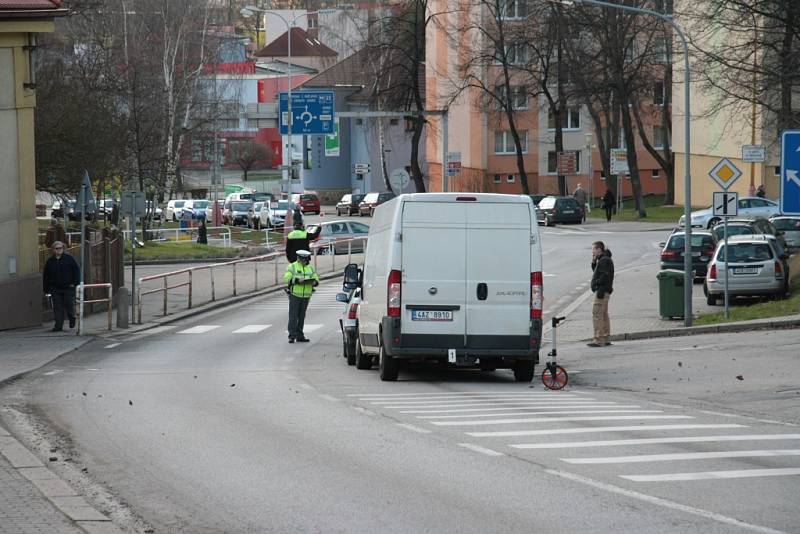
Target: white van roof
465,197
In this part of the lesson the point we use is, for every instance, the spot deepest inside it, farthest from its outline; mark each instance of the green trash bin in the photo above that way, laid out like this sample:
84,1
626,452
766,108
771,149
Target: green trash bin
670,293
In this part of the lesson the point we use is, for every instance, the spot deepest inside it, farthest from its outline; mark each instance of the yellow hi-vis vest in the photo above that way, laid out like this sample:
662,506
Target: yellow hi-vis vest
297,234
300,279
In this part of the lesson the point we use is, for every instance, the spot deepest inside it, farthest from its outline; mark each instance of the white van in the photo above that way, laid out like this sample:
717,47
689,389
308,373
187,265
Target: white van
452,277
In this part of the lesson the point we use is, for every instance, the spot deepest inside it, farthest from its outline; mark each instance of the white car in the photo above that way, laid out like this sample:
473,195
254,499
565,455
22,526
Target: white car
257,207
748,207
274,215
174,209
195,209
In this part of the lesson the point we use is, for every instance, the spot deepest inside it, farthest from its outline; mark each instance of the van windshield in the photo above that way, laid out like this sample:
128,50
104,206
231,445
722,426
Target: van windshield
241,206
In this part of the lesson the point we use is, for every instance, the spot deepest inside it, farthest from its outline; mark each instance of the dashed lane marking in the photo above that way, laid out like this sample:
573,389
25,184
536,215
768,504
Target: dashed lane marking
557,420
655,441
199,329
715,475
414,428
479,449
112,345
676,457
328,397
601,429
252,329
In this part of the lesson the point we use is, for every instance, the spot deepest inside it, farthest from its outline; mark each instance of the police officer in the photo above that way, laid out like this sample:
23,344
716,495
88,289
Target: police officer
301,279
296,240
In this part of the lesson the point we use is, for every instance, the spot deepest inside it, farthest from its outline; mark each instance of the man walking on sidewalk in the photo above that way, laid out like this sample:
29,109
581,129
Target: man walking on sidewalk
60,277
582,198
301,279
603,286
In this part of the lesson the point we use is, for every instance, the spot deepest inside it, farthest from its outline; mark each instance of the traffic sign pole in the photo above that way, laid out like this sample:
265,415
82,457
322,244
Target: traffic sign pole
727,269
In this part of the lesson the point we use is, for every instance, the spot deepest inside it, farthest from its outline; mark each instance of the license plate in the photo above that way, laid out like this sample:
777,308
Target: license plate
570,212
431,315
745,270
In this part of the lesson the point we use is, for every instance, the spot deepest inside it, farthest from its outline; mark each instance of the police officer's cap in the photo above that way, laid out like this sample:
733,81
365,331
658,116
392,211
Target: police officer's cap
303,254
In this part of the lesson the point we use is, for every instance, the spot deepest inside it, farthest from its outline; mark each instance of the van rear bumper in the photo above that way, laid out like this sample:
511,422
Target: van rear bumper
431,346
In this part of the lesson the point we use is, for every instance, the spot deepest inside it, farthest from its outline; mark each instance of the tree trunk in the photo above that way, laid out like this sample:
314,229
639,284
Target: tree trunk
416,171
633,164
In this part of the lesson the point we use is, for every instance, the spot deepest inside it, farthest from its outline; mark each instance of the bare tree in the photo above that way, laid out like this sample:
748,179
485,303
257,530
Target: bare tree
247,154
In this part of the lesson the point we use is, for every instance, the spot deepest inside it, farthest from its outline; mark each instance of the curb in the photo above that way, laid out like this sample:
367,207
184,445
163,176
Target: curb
776,324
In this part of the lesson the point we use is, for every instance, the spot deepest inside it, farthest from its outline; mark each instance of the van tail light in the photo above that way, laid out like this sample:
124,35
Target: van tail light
393,294
351,313
669,254
537,295
778,270
712,273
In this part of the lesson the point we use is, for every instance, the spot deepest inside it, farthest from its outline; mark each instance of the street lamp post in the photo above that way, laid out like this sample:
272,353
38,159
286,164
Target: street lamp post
687,208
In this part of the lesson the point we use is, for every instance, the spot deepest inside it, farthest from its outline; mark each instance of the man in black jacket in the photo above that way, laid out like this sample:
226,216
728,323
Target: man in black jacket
60,277
603,286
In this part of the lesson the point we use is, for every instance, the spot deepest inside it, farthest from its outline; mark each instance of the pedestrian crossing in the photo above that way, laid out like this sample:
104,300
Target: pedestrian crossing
247,329
500,424
324,298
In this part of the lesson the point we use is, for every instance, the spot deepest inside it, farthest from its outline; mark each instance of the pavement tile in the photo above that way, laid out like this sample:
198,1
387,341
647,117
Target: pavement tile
37,473
54,487
99,527
17,455
82,513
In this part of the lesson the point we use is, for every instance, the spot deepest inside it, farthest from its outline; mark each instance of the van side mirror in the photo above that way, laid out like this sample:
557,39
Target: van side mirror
662,244
351,277
341,297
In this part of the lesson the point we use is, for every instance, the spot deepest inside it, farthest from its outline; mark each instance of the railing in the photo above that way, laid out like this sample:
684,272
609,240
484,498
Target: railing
81,293
242,279
218,233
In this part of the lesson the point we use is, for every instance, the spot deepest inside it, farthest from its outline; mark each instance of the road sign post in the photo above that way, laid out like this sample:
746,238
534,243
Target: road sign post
312,113
725,173
133,204
790,172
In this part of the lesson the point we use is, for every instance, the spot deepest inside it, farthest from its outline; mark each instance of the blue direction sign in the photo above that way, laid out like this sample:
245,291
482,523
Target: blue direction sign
312,112
790,172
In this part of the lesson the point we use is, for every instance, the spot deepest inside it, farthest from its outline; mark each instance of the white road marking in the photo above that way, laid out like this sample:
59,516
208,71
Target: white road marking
565,402
363,410
530,406
654,441
414,428
329,397
289,359
676,457
558,419
199,329
558,412
309,328
715,475
600,429
112,345
252,329
54,372
482,450
538,397
437,393
664,503
154,331
306,386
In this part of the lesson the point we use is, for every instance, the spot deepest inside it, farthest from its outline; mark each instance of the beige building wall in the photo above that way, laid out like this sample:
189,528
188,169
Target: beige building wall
20,281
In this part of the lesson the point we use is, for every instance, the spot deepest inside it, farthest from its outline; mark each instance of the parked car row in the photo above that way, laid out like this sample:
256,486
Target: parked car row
552,209
756,259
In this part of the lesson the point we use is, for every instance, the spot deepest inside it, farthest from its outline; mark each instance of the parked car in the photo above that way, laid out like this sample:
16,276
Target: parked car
748,207
240,195
238,212
552,210
756,268
371,201
263,197
348,323
308,202
174,209
703,246
195,209
348,205
419,303
755,226
57,210
210,210
157,212
331,232
257,206
274,214
537,198
790,226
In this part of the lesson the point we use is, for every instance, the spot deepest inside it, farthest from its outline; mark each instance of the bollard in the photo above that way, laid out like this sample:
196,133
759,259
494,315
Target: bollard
123,307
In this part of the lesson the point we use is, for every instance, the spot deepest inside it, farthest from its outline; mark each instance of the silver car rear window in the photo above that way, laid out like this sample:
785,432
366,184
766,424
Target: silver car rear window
747,252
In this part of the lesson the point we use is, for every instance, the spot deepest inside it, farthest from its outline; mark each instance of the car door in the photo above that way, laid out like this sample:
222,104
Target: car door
358,231
744,207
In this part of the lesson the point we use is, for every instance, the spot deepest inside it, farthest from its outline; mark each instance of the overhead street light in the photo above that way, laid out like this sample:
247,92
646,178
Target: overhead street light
687,208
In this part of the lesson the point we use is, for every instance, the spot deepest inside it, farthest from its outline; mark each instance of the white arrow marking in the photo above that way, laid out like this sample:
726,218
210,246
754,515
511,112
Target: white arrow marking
792,175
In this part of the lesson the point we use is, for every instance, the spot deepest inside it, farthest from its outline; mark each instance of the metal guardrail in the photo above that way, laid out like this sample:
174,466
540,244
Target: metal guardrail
81,293
168,280
223,233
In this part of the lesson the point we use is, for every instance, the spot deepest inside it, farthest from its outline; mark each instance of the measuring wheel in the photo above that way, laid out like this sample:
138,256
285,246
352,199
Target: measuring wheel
554,377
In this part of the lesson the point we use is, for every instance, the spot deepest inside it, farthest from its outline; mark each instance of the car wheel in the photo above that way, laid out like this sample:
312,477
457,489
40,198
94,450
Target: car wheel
711,300
388,366
523,371
348,352
363,361
548,222
713,222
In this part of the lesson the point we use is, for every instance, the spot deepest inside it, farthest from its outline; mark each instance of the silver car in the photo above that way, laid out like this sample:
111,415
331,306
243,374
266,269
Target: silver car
748,208
790,226
756,268
340,237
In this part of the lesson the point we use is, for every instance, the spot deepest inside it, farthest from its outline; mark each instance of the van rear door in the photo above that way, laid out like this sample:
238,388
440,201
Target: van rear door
434,271
498,265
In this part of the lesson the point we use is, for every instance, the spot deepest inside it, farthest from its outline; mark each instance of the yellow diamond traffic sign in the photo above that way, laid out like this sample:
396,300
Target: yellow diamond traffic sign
725,173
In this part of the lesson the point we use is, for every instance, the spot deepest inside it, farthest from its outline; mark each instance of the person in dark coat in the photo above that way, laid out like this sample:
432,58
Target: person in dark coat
299,239
609,201
761,192
602,285
60,277
55,232
202,233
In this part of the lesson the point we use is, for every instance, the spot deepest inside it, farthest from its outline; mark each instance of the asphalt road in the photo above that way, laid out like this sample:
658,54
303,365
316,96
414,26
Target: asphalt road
217,424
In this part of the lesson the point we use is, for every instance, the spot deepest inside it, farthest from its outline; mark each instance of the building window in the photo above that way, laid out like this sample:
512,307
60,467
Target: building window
519,97
659,137
497,179
208,150
656,173
513,9
661,6
552,161
197,150
510,178
504,142
570,119
515,54
777,170
660,49
394,122
659,97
